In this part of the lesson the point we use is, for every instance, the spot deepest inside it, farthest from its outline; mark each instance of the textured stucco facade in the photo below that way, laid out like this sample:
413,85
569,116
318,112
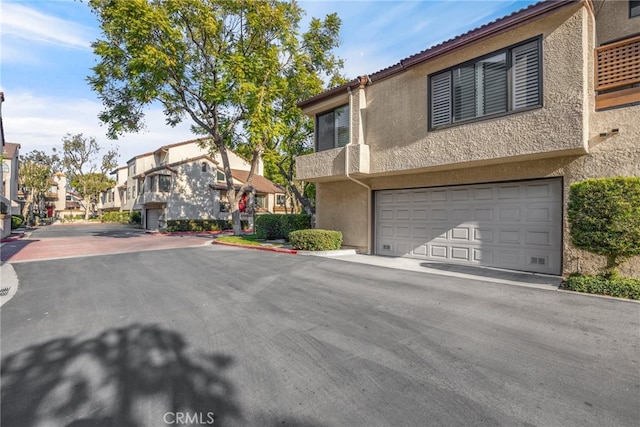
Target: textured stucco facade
562,138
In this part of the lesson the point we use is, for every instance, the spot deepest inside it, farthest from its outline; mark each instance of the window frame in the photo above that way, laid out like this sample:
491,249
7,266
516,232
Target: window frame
631,7
335,141
508,51
167,180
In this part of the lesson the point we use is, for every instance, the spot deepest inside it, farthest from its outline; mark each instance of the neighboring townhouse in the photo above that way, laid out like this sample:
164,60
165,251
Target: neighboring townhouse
183,181
59,202
464,153
112,199
10,165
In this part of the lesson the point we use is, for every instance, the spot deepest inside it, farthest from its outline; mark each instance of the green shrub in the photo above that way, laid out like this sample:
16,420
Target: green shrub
316,240
135,217
174,225
613,286
271,226
604,218
121,217
16,221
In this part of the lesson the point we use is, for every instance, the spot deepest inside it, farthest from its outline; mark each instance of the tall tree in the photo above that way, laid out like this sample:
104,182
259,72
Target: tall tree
224,64
53,161
87,171
34,179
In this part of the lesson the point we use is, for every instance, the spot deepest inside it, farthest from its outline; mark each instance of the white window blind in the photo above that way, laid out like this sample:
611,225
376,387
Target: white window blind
526,76
332,129
441,99
484,87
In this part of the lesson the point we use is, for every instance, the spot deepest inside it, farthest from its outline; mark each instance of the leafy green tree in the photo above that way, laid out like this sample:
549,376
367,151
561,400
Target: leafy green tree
34,179
604,218
86,170
224,64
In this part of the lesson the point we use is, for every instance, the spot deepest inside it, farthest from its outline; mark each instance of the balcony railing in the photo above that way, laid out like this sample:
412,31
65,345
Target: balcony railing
617,70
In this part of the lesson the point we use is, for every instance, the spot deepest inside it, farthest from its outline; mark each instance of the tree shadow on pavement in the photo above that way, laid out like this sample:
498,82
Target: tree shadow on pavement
124,377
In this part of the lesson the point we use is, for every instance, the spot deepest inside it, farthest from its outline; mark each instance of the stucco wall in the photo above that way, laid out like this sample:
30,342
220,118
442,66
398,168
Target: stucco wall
191,197
397,110
613,22
343,206
562,139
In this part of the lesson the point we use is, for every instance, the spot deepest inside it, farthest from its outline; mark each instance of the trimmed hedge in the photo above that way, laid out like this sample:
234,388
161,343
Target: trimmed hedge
272,226
604,218
121,217
613,286
316,240
202,225
16,221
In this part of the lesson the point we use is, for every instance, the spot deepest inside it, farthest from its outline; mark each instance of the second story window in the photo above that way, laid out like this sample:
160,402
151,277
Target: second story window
634,8
164,183
151,183
504,81
332,129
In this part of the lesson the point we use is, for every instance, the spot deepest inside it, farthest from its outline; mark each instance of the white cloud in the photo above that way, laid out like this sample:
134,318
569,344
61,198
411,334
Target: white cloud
26,23
39,123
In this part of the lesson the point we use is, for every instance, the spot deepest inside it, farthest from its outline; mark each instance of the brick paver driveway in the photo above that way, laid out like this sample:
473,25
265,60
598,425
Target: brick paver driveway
70,240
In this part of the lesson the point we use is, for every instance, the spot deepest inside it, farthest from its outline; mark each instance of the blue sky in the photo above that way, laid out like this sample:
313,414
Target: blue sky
46,57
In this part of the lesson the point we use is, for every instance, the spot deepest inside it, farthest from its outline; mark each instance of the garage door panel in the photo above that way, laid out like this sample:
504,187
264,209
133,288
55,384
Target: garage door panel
460,195
420,214
509,213
483,235
439,196
438,251
460,233
483,193
539,191
420,196
506,192
511,225
460,254
483,214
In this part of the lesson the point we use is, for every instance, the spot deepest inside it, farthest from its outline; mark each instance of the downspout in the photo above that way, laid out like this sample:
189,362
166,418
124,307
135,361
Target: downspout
590,78
346,172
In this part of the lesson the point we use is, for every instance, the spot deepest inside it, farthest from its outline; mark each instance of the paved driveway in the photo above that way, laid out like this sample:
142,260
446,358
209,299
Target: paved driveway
249,338
68,240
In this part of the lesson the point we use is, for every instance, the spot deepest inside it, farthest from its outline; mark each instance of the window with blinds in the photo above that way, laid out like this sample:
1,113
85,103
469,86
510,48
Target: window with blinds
634,8
332,129
508,80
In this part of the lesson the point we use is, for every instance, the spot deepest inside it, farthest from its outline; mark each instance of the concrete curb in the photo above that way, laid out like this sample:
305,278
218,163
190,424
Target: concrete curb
260,248
9,280
339,252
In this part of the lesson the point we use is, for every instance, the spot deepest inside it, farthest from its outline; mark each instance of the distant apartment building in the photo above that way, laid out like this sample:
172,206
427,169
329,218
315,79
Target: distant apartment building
184,181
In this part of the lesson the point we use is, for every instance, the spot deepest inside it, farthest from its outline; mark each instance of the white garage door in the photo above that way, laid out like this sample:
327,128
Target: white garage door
153,215
514,225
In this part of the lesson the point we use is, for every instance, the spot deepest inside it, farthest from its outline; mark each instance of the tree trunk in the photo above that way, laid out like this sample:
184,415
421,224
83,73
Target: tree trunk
27,207
304,201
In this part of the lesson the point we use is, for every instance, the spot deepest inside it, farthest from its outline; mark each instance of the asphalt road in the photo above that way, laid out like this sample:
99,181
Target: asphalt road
224,336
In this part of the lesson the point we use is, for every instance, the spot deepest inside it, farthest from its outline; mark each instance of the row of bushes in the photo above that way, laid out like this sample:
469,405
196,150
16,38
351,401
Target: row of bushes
272,227
315,240
621,287
202,225
121,217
